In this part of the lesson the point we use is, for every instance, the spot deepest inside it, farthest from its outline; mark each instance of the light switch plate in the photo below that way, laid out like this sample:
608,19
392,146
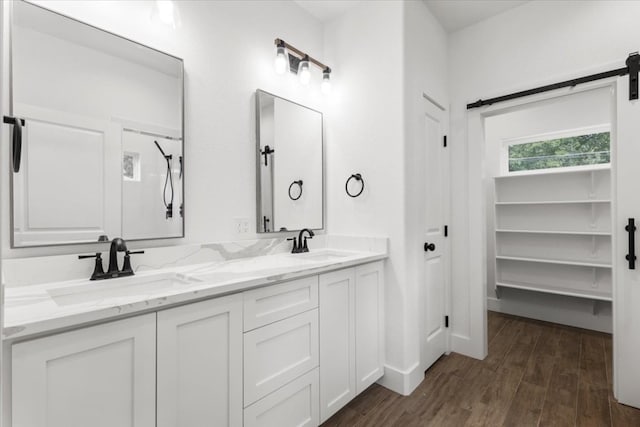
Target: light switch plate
241,225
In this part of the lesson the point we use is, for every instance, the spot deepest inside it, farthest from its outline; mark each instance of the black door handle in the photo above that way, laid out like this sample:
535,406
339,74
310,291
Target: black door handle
16,149
631,256
429,247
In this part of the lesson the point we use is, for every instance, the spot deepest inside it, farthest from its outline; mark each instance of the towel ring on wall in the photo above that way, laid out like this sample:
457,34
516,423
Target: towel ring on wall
357,177
299,183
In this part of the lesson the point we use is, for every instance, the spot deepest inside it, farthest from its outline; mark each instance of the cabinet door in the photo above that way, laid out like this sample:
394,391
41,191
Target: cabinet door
293,405
369,324
101,376
278,353
200,364
337,341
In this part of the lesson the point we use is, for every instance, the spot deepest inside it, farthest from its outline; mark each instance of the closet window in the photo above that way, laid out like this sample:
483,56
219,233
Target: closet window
562,150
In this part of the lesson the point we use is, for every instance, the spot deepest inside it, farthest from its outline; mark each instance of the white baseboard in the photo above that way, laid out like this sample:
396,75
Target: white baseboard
402,382
463,345
569,311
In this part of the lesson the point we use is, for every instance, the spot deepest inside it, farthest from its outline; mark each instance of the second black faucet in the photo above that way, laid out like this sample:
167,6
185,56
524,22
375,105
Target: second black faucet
300,246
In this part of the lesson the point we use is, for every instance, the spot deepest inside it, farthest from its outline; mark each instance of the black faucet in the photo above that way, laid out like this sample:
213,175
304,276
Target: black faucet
117,245
302,247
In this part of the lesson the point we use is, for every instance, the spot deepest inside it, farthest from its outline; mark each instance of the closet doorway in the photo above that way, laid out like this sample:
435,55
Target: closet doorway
550,193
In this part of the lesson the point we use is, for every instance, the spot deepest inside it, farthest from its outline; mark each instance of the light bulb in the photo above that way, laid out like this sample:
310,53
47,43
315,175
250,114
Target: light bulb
282,59
166,12
304,74
326,81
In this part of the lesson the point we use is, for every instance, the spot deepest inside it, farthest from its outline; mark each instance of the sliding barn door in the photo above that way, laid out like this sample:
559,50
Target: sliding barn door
626,294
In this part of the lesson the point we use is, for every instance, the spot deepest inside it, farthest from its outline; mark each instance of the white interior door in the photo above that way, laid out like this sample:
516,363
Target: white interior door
626,288
436,275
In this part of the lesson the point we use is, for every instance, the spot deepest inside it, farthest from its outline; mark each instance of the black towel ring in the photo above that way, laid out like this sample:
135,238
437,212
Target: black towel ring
357,177
299,183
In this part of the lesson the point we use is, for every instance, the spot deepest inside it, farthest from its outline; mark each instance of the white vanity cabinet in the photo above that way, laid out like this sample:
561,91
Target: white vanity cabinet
288,354
101,376
351,334
200,364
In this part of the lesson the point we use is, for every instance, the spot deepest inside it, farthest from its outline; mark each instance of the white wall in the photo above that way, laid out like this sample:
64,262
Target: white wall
584,109
228,52
365,135
537,43
385,54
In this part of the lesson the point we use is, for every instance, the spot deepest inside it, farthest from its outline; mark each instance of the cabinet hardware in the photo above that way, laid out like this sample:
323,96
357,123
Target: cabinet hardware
631,256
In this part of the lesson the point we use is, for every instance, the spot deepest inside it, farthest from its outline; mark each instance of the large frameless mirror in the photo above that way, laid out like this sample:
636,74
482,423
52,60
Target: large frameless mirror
101,147
289,165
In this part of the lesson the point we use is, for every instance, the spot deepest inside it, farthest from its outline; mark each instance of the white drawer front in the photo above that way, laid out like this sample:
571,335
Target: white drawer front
272,303
278,353
295,404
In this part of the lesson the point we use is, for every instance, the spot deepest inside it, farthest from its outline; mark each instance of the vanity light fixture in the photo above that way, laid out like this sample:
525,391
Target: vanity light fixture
326,81
299,63
304,74
282,58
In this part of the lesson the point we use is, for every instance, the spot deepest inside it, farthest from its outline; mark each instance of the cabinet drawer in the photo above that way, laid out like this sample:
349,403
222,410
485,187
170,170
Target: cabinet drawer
272,303
278,353
295,404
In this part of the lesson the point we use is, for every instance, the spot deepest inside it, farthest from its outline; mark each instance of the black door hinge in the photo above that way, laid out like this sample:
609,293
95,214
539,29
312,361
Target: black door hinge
445,140
446,321
446,231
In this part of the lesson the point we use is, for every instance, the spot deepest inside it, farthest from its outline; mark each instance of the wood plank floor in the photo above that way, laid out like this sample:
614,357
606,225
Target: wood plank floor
536,374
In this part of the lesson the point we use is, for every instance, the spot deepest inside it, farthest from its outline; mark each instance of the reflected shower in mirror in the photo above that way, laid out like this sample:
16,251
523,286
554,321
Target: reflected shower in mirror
289,165
102,145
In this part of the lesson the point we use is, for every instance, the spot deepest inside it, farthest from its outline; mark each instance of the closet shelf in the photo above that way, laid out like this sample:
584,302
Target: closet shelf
554,202
557,290
558,232
556,261
551,172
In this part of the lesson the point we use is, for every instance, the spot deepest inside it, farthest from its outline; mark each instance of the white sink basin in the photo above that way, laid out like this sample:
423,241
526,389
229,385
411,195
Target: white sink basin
114,288
260,264
322,256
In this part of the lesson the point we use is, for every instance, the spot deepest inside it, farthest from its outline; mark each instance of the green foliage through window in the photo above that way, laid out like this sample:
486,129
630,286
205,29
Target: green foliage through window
580,150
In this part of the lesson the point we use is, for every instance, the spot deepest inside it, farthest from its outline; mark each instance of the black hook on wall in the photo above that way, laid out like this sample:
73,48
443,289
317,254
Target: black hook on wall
357,177
299,183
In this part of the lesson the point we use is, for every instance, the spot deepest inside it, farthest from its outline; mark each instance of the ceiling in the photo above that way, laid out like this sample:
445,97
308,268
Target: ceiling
452,14
457,14
325,10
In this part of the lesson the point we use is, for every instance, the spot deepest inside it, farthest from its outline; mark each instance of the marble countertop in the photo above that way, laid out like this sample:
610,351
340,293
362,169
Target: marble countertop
49,307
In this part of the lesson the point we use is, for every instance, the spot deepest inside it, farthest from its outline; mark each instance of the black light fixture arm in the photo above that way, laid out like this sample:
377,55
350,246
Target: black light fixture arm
300,54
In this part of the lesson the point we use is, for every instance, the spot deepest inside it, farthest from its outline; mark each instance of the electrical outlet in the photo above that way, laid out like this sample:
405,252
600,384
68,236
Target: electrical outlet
241,225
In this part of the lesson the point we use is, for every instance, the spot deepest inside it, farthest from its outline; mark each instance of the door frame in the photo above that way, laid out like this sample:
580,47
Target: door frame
426,103
476,344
